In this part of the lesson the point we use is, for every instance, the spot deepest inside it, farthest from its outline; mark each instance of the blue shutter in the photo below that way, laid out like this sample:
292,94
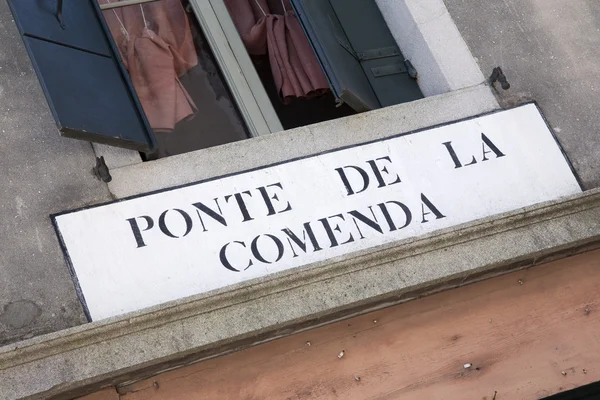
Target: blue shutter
83,79
359,55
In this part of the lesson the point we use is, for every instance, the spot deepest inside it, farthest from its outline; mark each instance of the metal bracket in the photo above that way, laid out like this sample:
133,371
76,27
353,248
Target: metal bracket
101,170
390,69
498,75
371,54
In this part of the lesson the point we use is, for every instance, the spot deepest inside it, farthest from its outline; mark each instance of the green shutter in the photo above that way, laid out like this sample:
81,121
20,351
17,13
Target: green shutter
361,59
381,59
344,72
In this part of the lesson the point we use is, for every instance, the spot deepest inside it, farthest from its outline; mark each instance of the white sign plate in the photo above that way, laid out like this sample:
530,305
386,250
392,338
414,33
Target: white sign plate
147,250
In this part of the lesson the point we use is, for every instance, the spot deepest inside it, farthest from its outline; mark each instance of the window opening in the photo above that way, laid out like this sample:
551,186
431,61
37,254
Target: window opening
285,61
314,59
175,75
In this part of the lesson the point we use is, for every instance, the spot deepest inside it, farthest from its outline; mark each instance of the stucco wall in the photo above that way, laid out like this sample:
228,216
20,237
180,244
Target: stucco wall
40,173
549,52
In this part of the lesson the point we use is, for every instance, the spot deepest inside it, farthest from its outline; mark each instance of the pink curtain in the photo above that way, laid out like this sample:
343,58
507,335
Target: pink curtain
155,42
271,28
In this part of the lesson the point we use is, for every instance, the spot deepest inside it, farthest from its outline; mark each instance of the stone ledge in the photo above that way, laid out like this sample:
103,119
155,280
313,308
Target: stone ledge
244,155
82,359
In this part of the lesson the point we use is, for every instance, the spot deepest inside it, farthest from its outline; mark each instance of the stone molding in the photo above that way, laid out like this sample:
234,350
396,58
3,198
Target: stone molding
79,360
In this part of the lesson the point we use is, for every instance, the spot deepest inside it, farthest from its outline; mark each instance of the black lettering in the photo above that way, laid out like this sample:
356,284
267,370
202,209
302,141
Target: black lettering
163,225
457,163
473,161
331,234
491,145
211,213
426,202
453,155
346,182
372,223
137,234
258,254
377,171
225,260
268,197
386,213
241,204
302,243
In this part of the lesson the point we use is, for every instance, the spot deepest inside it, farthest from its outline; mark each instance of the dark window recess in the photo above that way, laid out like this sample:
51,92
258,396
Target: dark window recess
88,91
299,111
359,55
587,392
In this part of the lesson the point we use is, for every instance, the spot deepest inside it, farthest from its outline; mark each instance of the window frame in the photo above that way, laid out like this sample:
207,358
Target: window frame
237,67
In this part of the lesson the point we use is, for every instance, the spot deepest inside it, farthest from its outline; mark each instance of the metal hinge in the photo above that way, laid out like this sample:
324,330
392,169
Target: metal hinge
390,69
378,53
382,52
396,68
371,54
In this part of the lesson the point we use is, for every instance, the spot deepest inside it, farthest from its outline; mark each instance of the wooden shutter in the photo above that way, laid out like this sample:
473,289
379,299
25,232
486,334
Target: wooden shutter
82,76
344,72
359,55
375,47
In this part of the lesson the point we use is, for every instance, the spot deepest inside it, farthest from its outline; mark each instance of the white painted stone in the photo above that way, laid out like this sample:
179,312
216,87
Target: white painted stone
118,273
427,35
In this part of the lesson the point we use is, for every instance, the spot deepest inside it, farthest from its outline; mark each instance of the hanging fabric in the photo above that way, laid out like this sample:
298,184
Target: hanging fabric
271,28
155,42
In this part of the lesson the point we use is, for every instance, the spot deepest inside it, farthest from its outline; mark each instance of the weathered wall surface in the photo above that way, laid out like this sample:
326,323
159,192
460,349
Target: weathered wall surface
524,335
40,173
549,50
